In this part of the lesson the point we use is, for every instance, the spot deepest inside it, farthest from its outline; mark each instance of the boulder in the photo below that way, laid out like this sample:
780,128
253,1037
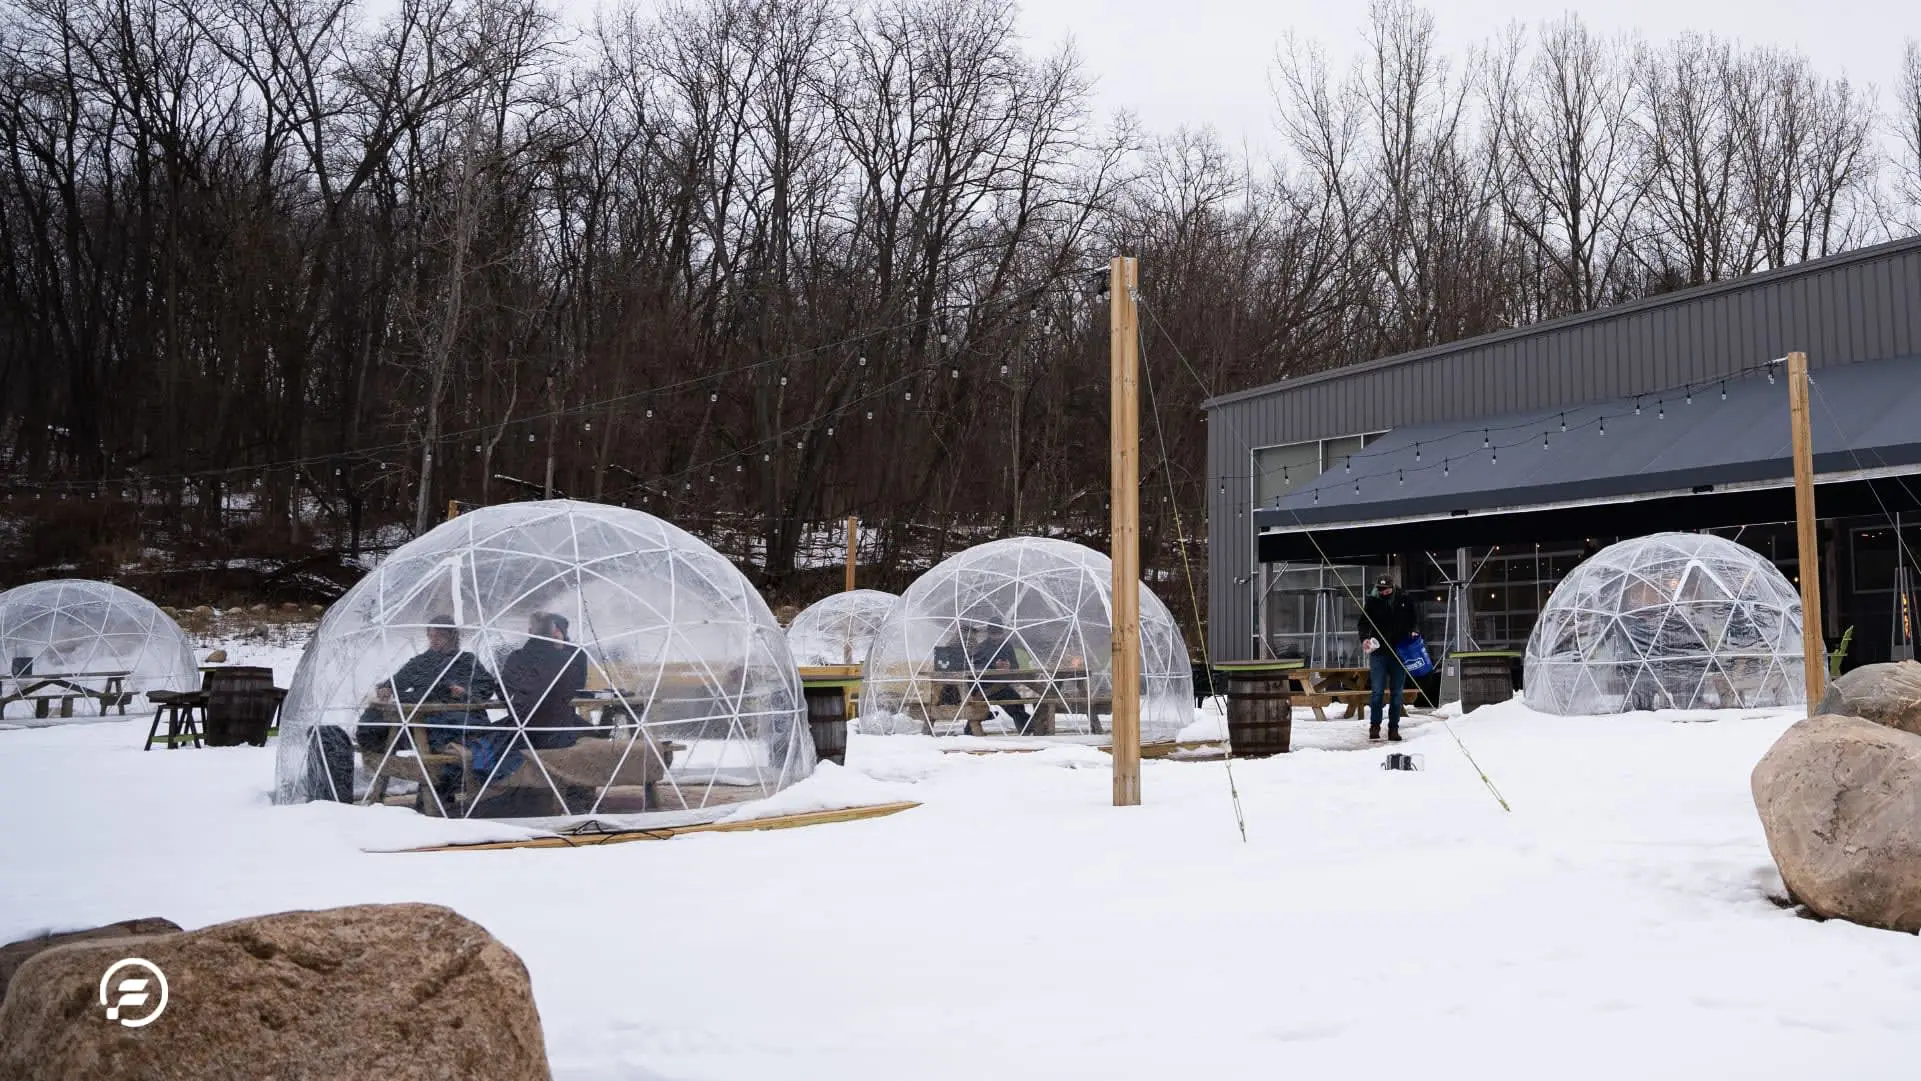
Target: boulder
1840,802
398,992
15,954
218,656
1887,694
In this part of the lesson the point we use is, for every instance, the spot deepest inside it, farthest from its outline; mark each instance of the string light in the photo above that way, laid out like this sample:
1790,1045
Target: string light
1444,462
1604,426
1563,422
1660,410
1690,397
1724,390
1348,464
1495,458
1544,441
1484,441
1417,452
1402,478
1770,374
650,412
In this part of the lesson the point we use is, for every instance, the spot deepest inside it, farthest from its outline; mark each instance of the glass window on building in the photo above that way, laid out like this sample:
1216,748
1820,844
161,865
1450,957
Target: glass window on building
1312,610
1279,470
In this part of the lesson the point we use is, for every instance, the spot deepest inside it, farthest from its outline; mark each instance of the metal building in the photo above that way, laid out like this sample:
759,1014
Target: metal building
1482,471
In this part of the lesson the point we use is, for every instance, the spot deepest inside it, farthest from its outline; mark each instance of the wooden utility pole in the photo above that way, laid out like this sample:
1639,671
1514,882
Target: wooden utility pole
853,546
1124,277
1814,660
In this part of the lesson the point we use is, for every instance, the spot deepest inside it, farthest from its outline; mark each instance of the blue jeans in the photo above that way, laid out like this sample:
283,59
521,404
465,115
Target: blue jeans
1385,673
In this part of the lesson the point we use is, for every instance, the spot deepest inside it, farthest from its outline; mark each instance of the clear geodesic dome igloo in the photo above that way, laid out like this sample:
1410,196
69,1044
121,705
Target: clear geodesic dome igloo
79,648
1014,636
1669,621
838,629
547,660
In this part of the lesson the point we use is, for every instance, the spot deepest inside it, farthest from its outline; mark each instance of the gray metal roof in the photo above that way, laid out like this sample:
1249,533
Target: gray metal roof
1618,314
1865,418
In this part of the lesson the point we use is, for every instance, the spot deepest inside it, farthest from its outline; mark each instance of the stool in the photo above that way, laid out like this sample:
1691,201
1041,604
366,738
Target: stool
178,708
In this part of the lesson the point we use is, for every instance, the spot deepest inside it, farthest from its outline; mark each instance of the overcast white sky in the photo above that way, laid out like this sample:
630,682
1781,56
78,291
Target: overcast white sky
1199,62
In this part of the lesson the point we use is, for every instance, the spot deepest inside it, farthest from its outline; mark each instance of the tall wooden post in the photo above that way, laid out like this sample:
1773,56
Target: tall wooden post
1814,659
853,546
1124,277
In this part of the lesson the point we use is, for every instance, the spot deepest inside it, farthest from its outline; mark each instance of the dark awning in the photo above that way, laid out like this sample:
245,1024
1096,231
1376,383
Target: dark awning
1697,462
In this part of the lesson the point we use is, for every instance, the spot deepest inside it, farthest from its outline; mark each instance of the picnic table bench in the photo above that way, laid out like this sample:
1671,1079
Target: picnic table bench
597,759
974,704
1319,688
66,691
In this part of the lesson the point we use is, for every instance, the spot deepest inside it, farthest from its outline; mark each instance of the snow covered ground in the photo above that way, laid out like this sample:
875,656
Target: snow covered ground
1373,924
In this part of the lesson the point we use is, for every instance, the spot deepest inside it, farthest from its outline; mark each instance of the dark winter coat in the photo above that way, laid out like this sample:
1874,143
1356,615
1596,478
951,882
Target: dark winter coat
542,680
1392,620
428,677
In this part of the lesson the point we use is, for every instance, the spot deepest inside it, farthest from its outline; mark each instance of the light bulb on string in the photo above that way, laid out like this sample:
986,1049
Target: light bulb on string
1444,462
1347,464
1564,422
910,395
1417,452
587,426
783,380
1003,369
1689,399
1660,410
1770,375
1494,458
1724,392
713,397
1484,440
650,412
1317,495
1401,479
530,437
1357,487
870,414
1544,445
954,372
830,431
863,362
1637,407
1604,426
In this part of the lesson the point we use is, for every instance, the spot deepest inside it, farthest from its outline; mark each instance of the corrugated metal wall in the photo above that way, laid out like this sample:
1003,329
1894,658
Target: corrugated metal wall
1864,305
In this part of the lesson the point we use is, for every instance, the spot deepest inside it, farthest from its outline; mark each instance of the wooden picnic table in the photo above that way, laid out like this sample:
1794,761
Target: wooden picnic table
1318,688
417,719
27,688
978,693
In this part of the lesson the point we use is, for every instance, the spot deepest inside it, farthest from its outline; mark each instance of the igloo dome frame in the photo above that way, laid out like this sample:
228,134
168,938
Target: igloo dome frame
72,639
1019,626
838,628
664,693
1667,621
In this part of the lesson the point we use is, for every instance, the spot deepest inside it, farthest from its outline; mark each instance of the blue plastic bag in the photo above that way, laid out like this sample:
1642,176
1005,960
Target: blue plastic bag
1413,654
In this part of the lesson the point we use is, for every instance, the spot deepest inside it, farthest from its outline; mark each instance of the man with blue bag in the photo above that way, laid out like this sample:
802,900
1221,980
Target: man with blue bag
1390,636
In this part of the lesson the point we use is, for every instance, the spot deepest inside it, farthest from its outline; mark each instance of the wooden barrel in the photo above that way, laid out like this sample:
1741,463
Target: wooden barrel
1486,678
827,718
1260,715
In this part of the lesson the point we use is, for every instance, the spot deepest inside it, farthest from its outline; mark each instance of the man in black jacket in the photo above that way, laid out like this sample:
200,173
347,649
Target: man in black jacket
1388,618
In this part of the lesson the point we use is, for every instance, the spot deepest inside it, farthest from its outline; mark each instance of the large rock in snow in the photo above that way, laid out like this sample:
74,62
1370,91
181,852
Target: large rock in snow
15,954
1840,801
396,992
1887,694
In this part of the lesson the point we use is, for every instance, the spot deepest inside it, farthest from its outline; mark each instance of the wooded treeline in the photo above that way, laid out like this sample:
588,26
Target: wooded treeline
757,264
